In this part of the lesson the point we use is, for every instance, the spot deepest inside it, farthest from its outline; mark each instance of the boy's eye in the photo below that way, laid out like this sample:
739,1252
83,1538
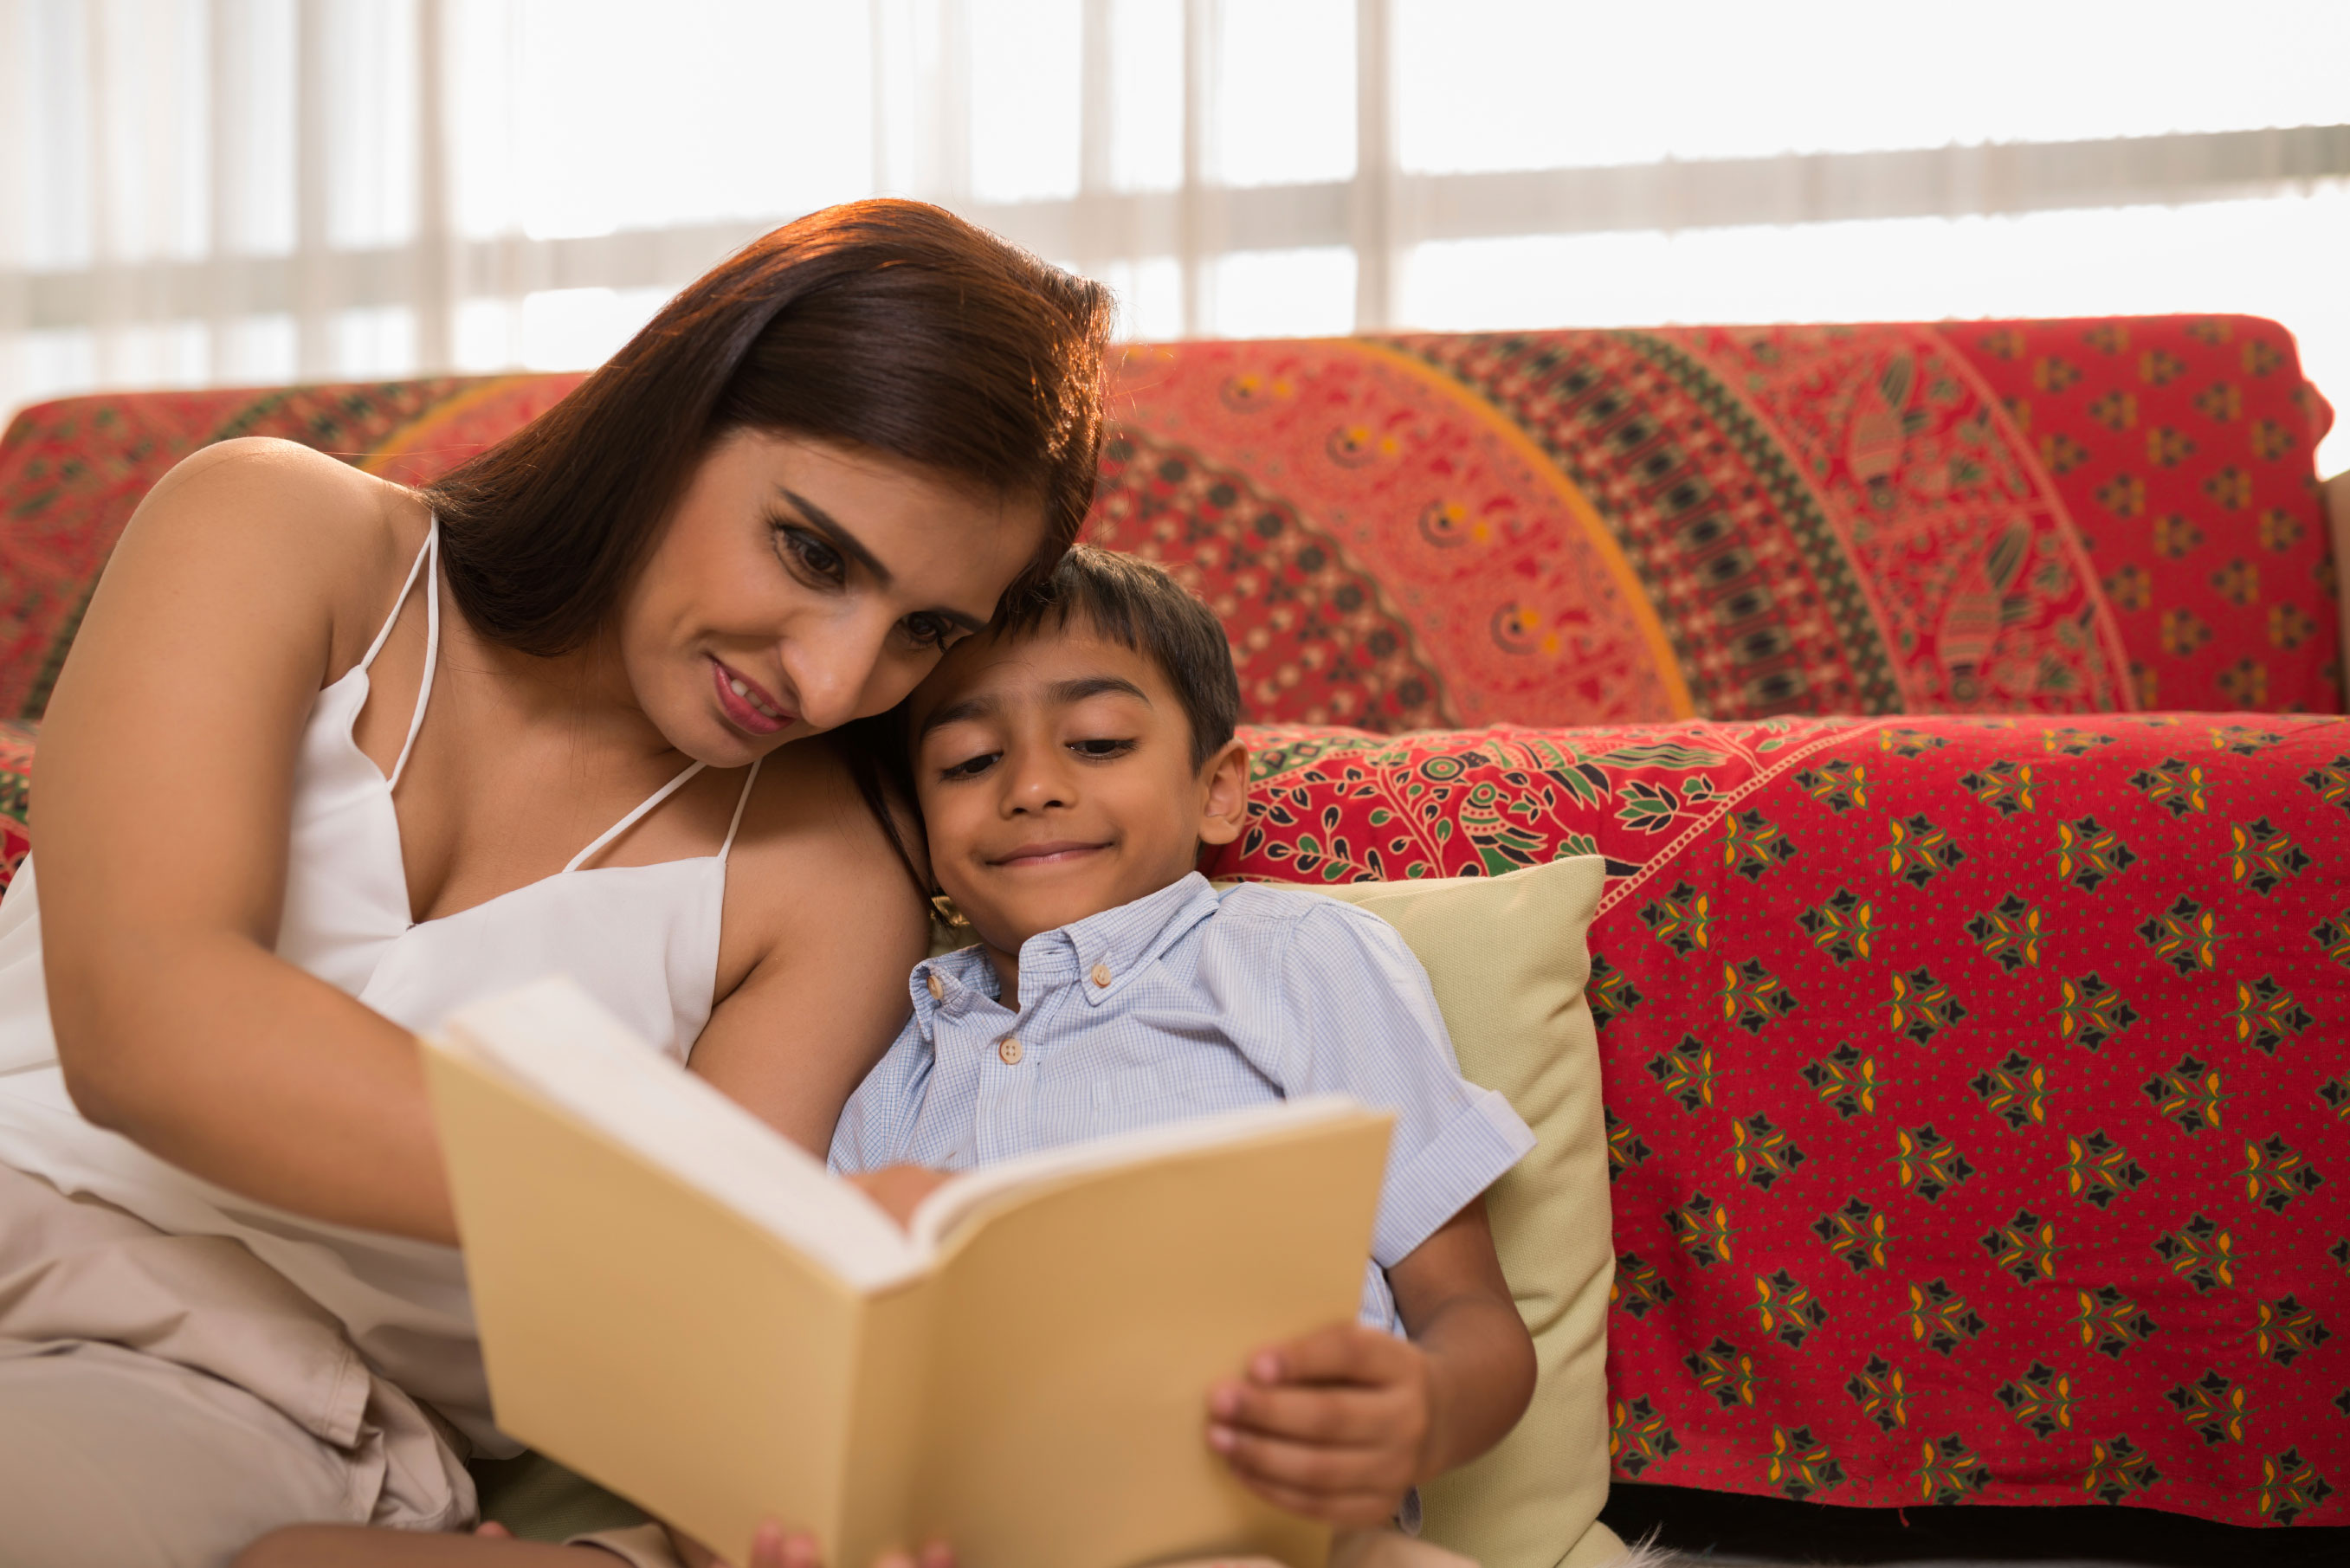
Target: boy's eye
1100,746
970,767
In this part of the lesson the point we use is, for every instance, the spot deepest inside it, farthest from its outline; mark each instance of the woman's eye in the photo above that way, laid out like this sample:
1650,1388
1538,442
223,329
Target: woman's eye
1101,747
930,630
810,554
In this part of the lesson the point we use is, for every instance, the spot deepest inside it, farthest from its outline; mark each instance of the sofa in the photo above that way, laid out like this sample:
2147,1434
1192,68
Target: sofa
1958,709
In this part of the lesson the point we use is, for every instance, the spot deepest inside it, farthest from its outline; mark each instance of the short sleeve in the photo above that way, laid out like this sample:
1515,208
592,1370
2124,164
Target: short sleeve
874,1124
1360,1020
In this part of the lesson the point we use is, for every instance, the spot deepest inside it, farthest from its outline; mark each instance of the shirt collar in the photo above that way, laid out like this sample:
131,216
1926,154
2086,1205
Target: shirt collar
1102,951
951,983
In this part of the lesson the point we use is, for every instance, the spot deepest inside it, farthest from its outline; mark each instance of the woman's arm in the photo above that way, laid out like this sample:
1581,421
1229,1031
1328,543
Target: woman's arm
252,571
823,926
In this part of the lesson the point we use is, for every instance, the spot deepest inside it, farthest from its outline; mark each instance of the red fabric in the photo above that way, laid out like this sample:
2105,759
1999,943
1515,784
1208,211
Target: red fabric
1826,936
2182,449
1976,1120
1563,527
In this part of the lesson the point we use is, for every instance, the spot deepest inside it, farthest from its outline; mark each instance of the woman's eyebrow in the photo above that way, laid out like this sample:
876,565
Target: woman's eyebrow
840,538
850,546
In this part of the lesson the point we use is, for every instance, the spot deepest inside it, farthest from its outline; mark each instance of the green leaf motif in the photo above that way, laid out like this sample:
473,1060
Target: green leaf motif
1663,754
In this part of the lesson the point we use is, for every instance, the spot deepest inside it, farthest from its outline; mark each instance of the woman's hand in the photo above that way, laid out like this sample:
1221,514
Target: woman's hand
772,1548
900,1188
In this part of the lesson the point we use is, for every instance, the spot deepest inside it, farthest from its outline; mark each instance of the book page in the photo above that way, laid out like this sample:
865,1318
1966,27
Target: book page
1077,1328
552,1037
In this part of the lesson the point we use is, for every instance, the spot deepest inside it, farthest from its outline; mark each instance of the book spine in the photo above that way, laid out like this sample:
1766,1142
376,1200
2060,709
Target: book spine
893,1354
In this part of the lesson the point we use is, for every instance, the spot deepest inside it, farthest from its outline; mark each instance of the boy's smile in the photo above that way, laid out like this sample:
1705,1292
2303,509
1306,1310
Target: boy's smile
1055,779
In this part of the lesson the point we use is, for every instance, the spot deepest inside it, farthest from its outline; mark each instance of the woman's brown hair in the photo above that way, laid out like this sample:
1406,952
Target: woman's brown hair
889,325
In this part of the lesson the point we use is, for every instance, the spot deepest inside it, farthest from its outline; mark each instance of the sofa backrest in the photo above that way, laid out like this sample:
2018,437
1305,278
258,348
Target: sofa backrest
1555,528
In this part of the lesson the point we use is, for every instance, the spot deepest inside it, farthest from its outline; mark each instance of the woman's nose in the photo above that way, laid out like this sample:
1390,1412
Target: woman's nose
832,677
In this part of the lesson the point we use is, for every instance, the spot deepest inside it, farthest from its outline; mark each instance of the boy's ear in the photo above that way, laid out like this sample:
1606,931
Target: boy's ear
1224,810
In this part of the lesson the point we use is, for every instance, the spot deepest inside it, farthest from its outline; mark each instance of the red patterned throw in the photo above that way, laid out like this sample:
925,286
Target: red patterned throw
1972,974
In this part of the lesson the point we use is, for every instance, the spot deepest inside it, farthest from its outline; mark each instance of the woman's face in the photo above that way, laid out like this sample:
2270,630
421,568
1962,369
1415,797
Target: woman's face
801,583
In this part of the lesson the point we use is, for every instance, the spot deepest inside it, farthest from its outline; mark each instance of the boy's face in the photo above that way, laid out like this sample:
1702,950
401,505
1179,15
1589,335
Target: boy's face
1056,781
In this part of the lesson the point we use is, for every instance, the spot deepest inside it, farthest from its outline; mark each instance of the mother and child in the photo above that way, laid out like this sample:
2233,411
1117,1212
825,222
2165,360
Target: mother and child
331,758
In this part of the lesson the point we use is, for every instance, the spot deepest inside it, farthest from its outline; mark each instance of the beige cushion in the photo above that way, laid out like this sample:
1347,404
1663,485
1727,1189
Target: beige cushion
1507,957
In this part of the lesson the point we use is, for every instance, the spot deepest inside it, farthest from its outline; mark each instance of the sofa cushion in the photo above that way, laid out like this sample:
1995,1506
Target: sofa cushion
1505,957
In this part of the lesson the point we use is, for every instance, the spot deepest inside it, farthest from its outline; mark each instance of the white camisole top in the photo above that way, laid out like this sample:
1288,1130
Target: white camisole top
642,940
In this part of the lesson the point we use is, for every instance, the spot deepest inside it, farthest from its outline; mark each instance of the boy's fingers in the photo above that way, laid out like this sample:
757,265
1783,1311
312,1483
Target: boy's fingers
1309,1466
1349,1416
1343,1353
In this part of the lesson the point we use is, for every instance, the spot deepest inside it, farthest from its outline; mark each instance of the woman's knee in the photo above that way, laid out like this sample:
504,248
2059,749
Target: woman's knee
107,1456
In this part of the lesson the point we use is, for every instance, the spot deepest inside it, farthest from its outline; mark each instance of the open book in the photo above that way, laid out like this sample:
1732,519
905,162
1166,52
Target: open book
684,1306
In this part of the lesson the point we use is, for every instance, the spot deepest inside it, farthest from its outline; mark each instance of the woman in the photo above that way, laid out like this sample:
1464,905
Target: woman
331,757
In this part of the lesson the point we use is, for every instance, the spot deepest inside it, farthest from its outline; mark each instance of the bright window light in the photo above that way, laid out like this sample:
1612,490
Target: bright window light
1282,294
575,328
1285,93
1146,101
630,116
1024,76
1534,84
379,341
1150,296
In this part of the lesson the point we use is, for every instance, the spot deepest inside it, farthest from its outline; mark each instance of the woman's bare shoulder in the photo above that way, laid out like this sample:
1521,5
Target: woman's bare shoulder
281,519
807,806
812,857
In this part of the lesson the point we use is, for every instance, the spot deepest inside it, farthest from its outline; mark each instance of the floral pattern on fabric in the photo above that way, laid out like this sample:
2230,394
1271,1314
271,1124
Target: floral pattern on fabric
1976,1129
2183,447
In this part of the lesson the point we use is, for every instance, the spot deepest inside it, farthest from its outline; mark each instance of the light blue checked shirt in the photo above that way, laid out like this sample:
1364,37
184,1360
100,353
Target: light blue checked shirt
1184,1003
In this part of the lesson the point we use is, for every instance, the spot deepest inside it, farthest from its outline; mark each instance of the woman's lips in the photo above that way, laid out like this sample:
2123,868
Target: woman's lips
1056,852
746,704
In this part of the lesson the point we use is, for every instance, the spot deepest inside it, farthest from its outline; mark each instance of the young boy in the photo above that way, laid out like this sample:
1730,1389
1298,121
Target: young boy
1069,763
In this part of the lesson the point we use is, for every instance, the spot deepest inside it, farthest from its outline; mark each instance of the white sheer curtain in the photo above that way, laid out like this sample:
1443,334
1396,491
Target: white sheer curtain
254,191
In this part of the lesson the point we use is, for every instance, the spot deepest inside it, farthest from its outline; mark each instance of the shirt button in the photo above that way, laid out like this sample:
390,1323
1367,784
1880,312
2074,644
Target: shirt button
1008,1048
938,988
1101,975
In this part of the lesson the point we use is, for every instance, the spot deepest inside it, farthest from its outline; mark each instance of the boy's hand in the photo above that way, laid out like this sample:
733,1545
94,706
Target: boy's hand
1333,1426
900,1188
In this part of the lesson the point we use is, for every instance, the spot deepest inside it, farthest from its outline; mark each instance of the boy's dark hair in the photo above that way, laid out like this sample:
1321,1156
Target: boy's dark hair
1130,602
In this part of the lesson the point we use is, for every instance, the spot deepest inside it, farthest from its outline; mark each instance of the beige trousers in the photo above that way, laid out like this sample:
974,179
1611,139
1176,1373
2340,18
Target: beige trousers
166,1399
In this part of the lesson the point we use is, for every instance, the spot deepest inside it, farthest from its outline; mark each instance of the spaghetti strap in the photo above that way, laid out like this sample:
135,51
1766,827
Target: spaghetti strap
740,802
431,561
431,538
634,817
